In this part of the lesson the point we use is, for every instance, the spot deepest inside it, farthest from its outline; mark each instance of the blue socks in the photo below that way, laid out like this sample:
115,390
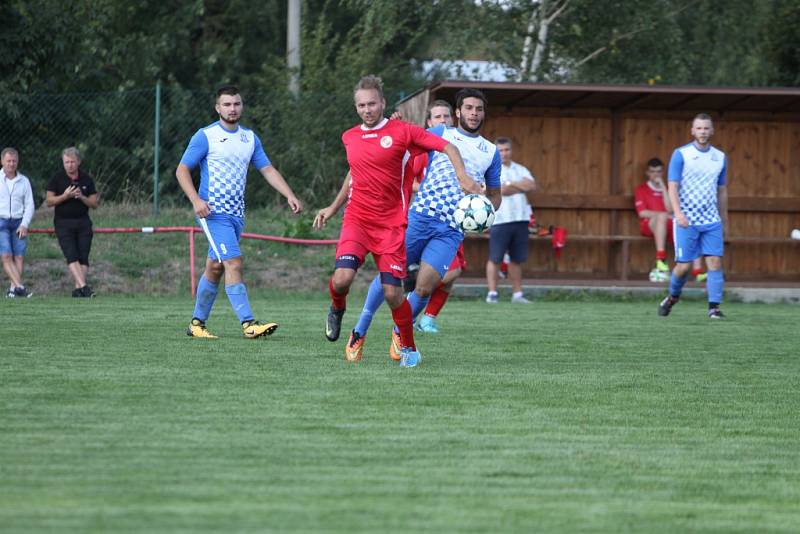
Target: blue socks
715,286
676,284
371,304
206,295
417,303
237,294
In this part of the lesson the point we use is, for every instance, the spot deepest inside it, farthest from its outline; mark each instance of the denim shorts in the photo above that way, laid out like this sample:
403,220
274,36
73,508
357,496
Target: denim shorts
10,243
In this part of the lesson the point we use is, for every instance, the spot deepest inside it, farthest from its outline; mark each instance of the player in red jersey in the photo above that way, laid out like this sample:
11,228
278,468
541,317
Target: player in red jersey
376,214
655,219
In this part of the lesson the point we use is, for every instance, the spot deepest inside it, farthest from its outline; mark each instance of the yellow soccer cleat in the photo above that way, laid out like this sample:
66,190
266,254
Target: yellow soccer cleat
197,328
396,347
662,266
254,329
354,350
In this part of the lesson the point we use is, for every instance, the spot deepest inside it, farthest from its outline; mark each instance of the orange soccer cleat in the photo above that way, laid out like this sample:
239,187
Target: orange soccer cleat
396,347
354,350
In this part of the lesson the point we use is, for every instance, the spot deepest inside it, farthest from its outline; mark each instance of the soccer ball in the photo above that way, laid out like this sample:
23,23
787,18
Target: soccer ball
474,213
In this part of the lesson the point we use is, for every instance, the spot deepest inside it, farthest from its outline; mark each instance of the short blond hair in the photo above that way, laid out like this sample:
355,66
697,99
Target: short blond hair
368,82
9,150
72,152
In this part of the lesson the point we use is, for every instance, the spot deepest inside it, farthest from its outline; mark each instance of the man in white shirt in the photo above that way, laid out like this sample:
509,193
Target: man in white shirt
16,212
509,233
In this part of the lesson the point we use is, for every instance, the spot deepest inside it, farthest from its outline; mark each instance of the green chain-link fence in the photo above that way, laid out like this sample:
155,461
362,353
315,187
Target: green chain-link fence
116,133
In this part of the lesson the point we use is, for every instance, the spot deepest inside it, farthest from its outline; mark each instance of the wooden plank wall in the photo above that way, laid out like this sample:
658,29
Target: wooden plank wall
571,153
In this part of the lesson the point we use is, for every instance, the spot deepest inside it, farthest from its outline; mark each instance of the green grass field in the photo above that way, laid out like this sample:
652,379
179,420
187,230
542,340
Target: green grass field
559,416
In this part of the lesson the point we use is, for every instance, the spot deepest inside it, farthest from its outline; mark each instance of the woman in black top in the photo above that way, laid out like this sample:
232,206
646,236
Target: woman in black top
72,192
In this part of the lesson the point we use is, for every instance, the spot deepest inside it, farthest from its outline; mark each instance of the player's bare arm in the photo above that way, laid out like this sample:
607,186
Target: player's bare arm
276,180
324,215
468,184
184,175
495,196
683,222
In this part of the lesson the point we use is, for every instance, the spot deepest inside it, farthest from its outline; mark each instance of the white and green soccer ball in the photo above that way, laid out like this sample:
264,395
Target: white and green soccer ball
474,213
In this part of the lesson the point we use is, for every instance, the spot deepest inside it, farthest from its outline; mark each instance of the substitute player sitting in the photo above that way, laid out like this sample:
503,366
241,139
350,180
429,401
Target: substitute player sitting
375,218
655,220
224,150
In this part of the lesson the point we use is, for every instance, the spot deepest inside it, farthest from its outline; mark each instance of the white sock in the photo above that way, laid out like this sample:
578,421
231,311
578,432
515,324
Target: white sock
492,294
517,295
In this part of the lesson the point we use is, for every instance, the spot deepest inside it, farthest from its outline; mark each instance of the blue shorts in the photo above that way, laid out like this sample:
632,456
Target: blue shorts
10,243
433,241
695,241
225,231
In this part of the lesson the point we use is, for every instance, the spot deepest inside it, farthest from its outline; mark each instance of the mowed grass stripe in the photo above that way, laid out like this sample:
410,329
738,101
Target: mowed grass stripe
556,416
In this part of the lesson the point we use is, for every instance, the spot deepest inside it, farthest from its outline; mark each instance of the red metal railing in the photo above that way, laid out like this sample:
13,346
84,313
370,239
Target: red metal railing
192,230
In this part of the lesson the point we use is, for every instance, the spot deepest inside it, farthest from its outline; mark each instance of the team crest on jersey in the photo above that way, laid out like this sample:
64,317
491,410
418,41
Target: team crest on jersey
386,141
243,137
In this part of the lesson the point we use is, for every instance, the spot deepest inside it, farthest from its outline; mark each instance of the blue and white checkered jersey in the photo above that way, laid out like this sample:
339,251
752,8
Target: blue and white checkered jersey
699,173
223,156
440,191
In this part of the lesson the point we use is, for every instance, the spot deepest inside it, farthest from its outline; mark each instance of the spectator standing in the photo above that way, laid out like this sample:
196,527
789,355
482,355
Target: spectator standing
509,233
72,192
16,212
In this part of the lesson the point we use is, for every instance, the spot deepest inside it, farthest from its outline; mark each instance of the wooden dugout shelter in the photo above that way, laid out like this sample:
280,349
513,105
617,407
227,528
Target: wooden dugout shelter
587,146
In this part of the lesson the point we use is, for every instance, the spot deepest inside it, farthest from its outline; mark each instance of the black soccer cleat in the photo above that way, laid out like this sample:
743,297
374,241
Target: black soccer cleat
666,305
333,326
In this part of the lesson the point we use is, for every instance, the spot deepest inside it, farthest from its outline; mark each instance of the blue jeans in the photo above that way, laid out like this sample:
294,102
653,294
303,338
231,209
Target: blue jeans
10,243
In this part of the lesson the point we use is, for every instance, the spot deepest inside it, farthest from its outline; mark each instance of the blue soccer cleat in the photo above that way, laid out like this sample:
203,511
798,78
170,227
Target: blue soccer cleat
409,357
428,324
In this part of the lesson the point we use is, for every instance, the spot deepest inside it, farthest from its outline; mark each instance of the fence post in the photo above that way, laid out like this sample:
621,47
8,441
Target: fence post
156,147
192,275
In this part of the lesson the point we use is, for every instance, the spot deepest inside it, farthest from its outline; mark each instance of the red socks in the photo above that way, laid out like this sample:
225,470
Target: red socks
437,302
339,300
661,255
404,320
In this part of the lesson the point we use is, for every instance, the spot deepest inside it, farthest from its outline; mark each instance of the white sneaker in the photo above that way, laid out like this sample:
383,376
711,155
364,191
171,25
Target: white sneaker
491,297
519,299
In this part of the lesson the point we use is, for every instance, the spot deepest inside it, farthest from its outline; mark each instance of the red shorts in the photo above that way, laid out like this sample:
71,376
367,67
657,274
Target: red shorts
644,227
387,245
459,262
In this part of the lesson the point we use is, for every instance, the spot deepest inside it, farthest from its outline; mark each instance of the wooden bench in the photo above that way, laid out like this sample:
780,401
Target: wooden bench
626,240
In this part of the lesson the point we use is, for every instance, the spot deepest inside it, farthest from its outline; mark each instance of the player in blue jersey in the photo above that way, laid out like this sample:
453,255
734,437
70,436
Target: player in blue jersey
223,151
433,236
698,192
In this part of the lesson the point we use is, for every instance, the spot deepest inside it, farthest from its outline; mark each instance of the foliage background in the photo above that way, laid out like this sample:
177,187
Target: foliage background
85,76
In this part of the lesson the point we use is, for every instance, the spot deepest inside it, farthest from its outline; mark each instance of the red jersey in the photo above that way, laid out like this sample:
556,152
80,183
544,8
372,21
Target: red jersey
377,157
647,198
415,172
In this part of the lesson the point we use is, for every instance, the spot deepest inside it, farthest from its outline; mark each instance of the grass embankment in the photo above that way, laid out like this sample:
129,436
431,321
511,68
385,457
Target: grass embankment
159,263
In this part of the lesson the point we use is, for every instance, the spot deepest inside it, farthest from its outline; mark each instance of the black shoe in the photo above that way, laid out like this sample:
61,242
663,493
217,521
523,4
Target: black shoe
333,326
22,292
666,305
715,313
77,293
86,292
